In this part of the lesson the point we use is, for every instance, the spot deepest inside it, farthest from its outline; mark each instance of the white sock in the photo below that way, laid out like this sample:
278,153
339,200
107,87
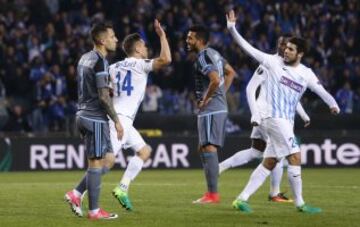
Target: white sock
239,158
94,211
275,178
294,175
76,193
132,170
257,178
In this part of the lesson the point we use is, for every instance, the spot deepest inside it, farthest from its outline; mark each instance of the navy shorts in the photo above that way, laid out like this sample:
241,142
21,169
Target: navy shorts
211,129
96,136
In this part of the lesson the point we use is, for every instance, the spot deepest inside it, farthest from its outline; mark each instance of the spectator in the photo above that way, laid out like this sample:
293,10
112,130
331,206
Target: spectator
151,101
18,121
3,106
345,98
41,37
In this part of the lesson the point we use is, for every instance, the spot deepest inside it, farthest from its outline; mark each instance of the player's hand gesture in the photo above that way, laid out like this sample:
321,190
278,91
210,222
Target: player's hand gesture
230,18
334,110
158,29
119,130
203,103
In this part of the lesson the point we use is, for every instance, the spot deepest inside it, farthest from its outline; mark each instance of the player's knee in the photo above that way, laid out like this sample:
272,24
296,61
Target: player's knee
208,148
294,159
109,160
144,153
95,162
269,163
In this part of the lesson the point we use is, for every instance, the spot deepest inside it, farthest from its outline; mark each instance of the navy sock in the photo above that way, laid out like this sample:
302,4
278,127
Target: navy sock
82,185
211,168
93,183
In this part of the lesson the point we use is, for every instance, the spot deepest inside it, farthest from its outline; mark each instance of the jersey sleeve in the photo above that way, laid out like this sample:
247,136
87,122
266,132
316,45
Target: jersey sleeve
315,86
101,74
206,65
147,65
312,81
300,110
256,80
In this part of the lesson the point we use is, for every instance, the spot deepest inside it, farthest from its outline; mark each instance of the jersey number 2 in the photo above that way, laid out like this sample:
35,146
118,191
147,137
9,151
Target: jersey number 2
126,86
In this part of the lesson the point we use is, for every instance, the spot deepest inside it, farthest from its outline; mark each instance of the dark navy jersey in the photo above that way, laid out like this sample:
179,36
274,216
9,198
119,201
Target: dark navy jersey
92,74
209,60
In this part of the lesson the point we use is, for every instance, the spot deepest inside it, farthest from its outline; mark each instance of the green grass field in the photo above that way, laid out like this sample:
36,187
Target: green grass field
163,198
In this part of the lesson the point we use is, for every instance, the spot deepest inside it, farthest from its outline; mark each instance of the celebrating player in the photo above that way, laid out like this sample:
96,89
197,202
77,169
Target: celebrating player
213,77
257,136
286,83
129,79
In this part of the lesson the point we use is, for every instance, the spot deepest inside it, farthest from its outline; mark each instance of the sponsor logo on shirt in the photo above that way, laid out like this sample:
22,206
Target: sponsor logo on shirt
291,84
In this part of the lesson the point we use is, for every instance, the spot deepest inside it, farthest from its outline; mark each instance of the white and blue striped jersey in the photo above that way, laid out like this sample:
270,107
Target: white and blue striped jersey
285,84
284,87
128,79
259,107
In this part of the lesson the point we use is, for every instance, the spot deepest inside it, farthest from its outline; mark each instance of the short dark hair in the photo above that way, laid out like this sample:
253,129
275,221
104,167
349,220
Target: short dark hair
99,28
129,42
300,44
201,32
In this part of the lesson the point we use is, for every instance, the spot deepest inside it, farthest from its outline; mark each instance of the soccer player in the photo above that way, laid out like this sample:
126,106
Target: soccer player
213,77
286,83
94,106
257,136
129,78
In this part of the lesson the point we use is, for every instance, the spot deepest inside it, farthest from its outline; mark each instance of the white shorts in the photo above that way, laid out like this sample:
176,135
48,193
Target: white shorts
280,136
131,138
258,133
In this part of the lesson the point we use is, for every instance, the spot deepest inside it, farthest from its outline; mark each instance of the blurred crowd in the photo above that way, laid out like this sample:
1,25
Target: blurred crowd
41,41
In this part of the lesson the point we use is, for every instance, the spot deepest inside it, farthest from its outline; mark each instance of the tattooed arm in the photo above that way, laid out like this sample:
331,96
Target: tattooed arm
107,103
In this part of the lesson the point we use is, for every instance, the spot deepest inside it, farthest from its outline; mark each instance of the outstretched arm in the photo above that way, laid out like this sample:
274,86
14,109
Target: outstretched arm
327,98
316,87
300,110
259,56
165,55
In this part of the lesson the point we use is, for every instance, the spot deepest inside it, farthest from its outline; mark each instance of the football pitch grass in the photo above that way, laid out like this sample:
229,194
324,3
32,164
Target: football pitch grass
164,198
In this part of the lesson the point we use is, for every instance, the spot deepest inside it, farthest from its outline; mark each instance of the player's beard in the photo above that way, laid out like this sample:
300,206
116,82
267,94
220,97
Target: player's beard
290,62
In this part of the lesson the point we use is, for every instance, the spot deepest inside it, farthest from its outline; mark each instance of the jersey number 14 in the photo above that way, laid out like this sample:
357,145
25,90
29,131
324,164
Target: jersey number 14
126,83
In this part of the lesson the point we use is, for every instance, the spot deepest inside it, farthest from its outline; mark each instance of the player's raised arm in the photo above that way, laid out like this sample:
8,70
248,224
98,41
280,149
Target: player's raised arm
254,83
304,116
165,56
249,49
229,74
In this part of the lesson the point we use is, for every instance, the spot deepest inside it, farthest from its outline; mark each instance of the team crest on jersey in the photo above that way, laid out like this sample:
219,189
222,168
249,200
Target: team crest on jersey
260,71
